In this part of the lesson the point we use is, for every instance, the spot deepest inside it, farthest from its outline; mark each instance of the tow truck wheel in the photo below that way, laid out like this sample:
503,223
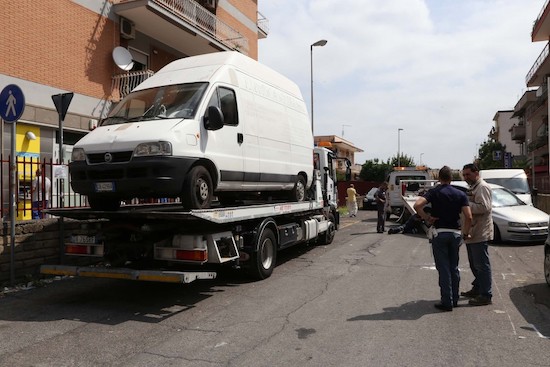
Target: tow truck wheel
103,204
263,260
298,193
547,264
197,189
328,236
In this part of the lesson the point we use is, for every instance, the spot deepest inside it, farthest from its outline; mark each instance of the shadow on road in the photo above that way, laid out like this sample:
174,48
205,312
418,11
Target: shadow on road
408,311
533,302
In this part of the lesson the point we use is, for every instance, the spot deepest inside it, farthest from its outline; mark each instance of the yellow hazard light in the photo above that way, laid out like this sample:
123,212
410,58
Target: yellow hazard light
326,144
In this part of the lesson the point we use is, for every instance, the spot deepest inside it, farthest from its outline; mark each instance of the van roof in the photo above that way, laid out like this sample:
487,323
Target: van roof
205,67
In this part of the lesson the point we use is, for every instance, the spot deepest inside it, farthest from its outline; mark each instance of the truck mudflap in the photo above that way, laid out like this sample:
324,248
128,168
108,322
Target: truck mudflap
128,274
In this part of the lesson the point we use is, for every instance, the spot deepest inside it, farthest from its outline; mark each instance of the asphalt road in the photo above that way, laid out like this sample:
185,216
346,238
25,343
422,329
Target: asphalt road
365,300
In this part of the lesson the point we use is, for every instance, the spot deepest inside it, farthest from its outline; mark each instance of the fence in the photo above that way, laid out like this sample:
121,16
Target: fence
50,189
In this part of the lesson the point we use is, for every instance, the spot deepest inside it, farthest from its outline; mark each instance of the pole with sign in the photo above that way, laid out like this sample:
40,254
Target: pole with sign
62,102
12,105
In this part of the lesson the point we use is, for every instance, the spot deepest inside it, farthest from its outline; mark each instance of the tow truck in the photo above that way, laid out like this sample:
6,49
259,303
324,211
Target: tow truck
164,243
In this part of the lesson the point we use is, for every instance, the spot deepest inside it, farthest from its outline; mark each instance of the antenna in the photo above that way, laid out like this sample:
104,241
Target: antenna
343,129
123,58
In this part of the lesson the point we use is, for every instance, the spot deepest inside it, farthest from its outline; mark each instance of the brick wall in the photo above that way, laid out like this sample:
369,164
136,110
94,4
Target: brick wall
58,43
36,243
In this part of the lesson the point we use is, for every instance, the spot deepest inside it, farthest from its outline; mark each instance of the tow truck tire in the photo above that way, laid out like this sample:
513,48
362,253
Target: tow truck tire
262,261
327,237
547,264
197,189
104,204
298,193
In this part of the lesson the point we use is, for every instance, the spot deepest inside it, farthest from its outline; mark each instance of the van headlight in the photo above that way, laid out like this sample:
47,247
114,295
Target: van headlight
78,155
154,148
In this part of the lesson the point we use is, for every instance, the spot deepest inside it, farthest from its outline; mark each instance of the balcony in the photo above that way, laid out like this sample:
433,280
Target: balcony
541,27
263,26
123,84
540,69
183,25
518,133
524,102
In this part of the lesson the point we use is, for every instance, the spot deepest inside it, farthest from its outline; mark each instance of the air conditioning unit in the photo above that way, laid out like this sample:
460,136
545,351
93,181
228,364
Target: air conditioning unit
127,29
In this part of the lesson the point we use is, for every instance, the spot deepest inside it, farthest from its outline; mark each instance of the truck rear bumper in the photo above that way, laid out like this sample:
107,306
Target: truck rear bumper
128,274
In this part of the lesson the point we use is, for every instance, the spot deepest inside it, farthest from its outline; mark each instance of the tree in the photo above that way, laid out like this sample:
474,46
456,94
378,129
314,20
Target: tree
487,153
374,170
405,161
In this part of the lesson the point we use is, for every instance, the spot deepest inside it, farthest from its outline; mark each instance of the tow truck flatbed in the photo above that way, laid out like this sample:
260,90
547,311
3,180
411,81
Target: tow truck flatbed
221,215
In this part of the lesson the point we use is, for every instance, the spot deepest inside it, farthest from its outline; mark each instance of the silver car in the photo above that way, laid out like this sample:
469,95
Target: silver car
514,220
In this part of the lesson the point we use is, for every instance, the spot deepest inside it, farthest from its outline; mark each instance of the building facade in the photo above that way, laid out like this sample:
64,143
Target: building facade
343,149
100,50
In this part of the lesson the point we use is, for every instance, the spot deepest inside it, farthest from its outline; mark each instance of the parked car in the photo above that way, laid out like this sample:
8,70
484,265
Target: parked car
547,260
514,220
369,202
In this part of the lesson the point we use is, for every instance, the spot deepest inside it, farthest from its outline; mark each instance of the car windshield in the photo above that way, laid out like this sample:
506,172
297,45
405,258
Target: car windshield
503,197
170,101
516,185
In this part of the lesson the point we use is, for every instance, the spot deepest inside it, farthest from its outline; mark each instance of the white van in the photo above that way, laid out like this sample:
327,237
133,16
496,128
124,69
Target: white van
216,124
394,198
513,179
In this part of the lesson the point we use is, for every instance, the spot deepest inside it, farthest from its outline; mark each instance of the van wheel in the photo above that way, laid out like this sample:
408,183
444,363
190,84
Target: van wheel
104,204
298,193
197,189
262,261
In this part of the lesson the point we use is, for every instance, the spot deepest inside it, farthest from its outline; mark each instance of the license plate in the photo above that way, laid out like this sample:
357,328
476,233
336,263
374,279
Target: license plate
104,187
83,239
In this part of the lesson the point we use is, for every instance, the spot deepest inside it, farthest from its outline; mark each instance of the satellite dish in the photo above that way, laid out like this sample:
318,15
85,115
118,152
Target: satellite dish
123,58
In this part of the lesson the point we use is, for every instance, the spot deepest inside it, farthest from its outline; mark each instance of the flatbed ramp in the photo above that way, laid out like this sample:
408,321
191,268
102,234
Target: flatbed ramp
127,274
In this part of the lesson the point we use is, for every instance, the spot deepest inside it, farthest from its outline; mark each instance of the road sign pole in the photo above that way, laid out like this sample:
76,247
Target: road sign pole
13,202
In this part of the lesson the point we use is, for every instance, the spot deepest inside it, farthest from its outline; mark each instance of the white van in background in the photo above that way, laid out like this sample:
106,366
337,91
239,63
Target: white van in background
513,179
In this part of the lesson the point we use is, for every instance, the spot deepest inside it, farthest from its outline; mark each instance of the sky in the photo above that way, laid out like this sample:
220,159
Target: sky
438,69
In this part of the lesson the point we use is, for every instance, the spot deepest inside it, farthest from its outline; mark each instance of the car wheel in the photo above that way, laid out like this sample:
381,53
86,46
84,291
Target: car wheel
197,189
496,234
547,264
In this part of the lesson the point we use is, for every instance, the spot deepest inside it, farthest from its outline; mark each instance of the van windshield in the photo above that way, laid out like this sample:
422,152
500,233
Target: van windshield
170,101
516,185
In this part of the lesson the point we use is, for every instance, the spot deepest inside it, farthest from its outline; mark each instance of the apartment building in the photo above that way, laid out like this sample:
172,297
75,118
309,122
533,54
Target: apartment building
99,50
342,148
504,122
532,108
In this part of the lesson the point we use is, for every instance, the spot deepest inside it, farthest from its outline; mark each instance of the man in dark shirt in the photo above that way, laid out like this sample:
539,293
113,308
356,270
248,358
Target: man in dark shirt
447,204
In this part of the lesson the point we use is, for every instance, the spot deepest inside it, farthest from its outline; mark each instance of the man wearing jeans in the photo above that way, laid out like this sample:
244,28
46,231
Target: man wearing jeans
480,198
447,204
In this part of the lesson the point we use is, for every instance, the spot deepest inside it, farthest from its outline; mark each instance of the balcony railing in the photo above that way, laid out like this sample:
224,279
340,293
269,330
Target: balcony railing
539,17
263,23
518,133
122,84
201,18
543,55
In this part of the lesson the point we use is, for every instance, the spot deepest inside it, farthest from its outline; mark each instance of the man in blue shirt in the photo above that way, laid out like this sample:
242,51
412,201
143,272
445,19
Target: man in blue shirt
447,203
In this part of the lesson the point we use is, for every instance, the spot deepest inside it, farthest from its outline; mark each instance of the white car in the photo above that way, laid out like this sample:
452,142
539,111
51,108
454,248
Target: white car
514,220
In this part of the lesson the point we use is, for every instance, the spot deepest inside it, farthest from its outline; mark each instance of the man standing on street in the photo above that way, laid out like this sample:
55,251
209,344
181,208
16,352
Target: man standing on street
447,204
352,200
480,198
380,197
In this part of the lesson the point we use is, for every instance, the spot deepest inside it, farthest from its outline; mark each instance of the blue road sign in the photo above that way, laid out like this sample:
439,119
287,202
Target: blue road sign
12,103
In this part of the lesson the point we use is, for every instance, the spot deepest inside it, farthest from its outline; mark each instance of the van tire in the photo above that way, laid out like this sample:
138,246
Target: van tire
197,189
262,261
298,193
104,204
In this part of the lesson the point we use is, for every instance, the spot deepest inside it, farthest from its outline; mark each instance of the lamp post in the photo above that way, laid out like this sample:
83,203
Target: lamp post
399,147
319,43
421,154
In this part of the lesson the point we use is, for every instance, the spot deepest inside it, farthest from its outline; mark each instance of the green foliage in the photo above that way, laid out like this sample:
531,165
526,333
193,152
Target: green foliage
486,154
374,170
404,161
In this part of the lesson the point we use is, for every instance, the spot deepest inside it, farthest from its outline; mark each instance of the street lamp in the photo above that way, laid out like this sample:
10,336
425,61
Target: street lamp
319,43
399,147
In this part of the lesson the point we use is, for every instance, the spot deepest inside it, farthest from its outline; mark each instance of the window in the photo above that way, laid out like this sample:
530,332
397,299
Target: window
225,99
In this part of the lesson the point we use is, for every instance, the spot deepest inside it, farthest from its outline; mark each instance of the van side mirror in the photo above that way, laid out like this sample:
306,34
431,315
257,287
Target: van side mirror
213,120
